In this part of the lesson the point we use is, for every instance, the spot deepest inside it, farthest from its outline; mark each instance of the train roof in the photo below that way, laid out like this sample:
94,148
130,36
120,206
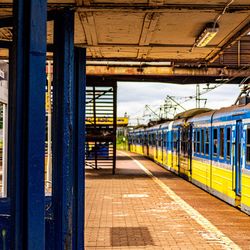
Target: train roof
204,116
235,110
220,114
191,112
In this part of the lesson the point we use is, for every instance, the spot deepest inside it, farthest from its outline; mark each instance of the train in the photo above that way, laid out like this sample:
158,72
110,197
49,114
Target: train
210,148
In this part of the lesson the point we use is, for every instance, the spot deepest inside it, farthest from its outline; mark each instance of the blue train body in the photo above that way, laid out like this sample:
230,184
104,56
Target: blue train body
209,148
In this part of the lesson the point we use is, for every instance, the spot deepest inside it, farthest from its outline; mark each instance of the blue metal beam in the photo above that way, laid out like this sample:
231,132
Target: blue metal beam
63,129
79,147
27,124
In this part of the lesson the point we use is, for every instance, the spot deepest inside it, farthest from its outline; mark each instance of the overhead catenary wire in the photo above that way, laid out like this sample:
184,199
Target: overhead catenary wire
189,98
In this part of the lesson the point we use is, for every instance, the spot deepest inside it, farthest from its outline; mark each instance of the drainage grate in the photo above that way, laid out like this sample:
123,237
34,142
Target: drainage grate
130,236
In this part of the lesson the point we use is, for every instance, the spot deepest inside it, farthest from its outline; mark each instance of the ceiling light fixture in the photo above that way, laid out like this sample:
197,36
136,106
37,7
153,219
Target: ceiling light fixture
207,34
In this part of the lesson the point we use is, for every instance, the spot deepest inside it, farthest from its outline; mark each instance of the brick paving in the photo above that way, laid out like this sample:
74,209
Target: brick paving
131,211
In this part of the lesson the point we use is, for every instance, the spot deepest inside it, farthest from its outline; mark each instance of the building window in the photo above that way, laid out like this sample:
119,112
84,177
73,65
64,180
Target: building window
248,146
228,143
222,142
215,142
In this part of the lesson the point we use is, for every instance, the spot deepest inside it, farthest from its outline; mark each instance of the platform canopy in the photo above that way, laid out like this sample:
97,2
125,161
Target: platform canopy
158,37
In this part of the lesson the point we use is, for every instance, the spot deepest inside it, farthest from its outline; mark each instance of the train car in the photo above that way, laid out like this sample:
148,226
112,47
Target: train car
209,148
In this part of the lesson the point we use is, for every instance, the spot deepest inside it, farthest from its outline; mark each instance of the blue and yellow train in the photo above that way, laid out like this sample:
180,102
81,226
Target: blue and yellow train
210,148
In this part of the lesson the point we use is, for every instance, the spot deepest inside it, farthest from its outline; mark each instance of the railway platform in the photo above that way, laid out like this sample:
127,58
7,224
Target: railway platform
145,206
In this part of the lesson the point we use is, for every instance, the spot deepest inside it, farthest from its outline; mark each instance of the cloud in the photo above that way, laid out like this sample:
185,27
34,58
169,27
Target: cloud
133,96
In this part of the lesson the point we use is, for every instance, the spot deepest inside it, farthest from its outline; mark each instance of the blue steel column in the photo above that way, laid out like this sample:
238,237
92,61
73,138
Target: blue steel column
27,124
63,129
79,146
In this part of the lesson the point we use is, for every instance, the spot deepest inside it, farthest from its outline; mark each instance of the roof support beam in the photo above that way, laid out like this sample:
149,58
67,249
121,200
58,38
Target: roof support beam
149,25
162,7
236,37
83,2
88,24
164,71
148,28
155,2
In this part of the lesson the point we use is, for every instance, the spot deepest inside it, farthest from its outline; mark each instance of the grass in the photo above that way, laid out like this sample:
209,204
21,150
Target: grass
121,144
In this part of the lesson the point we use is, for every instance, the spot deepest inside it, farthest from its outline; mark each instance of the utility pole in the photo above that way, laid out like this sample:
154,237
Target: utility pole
197,96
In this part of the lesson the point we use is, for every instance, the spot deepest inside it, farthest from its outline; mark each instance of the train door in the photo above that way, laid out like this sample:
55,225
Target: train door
162,146
183,160
176,148
147,144
156,144
179,149
159,154
190,148
142,143
238,158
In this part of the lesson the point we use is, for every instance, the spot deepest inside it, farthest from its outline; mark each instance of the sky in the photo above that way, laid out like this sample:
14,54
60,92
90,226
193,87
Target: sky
133,96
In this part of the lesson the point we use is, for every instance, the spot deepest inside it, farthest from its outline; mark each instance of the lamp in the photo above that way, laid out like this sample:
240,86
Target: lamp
207,34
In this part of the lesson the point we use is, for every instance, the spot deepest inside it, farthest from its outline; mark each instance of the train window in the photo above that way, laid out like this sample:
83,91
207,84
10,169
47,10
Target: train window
164,140
175,140
228,149
195,141
141,139
215,136
202,141
159,140
154,140
206,141
222,142
198,141
248,146
184,141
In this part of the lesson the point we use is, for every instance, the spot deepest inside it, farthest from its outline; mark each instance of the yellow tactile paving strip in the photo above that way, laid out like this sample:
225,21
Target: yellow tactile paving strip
132,211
